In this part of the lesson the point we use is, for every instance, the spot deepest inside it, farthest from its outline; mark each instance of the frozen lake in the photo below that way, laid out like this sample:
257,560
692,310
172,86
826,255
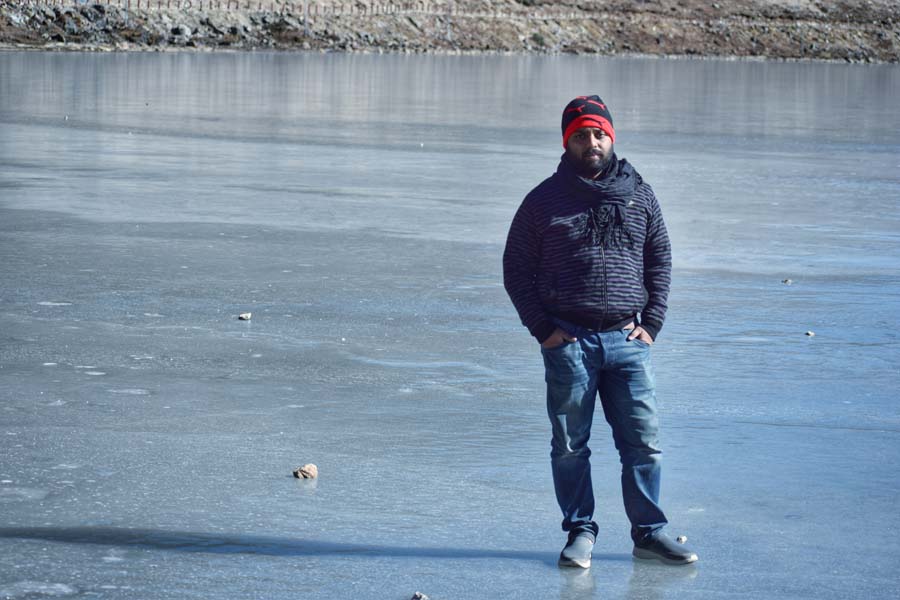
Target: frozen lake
358,206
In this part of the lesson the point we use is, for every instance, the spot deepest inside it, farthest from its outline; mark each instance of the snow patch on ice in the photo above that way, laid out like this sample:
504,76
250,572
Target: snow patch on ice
114,556
21,494
49,303
131,392
31,589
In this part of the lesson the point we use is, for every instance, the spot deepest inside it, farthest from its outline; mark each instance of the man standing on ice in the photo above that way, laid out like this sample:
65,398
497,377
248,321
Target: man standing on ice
587,265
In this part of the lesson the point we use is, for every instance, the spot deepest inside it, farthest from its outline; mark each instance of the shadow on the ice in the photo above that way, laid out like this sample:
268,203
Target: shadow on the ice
189,541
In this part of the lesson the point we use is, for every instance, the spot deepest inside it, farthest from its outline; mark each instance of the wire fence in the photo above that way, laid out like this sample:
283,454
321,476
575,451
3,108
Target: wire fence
321,9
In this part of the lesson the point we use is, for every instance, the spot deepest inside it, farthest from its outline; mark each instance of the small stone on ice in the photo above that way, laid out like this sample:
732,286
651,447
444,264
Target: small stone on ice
810,334
681,539
307,471
245,316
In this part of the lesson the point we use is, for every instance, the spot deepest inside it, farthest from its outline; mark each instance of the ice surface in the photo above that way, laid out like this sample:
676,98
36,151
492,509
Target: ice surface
35,589
357,206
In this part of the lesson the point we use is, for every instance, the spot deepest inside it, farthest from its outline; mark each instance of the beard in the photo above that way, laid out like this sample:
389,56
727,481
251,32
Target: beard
590,163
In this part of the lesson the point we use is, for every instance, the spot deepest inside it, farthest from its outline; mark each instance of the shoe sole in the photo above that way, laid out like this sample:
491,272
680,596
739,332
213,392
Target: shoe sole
648,555
574,564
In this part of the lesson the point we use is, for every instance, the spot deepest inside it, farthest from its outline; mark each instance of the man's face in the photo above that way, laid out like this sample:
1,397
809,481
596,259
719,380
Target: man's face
589,149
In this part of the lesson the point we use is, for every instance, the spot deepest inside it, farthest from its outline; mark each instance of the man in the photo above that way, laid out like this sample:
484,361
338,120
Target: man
588,265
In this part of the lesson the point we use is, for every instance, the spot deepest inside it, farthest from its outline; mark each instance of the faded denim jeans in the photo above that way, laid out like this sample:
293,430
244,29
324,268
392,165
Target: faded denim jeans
618,371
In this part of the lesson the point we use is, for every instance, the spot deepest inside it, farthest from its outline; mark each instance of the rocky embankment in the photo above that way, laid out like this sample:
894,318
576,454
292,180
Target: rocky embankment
850,30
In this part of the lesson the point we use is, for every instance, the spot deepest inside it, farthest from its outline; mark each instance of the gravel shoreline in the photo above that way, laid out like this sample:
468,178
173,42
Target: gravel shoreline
852,31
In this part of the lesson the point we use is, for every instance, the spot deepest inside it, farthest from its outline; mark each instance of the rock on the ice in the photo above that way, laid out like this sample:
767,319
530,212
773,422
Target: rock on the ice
307,471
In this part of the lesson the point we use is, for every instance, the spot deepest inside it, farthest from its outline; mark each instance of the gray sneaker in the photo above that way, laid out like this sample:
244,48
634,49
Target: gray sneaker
665,549
577,552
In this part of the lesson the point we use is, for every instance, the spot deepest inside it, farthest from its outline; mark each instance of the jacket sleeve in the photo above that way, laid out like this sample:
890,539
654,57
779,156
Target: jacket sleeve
521,258
657,270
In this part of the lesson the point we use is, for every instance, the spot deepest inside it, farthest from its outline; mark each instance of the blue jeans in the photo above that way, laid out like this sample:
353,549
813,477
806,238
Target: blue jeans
619,372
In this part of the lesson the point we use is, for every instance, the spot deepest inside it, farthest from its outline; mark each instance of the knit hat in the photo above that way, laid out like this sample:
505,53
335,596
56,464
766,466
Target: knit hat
586,111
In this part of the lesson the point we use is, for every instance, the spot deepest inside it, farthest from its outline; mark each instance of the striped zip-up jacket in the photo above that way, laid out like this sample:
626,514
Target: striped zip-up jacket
551,268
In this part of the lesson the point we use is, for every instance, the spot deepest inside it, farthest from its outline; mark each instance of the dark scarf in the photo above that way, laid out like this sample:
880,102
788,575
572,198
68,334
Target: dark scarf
607,197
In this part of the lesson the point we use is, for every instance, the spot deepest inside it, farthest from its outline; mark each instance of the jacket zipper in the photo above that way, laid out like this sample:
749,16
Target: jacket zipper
605,287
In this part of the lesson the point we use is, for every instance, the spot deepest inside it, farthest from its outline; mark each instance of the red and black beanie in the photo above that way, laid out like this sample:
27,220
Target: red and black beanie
586,111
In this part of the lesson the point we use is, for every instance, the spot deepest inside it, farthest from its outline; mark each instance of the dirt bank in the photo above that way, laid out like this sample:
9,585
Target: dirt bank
851,30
